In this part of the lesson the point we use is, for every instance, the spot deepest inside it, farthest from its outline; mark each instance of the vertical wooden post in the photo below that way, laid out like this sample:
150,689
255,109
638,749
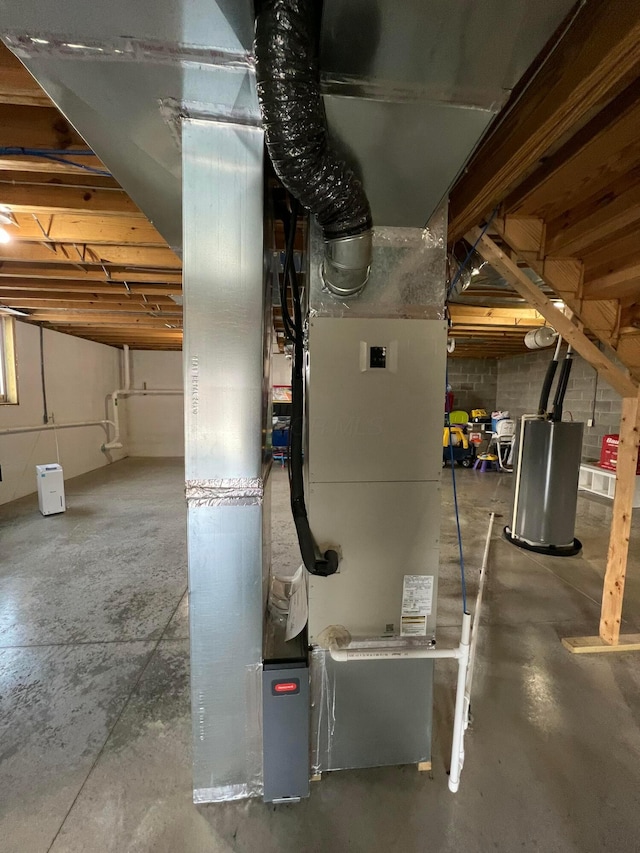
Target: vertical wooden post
613,591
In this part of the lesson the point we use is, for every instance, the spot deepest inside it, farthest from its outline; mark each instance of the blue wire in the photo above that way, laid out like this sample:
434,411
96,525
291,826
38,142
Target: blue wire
470,252
19,149
58,155
463,578
456,277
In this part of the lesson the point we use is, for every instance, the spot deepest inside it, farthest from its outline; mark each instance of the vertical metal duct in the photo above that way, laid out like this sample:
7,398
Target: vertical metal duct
295,125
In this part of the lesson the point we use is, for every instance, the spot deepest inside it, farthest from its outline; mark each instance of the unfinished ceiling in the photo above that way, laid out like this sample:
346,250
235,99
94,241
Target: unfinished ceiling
557,172
84,260
82,257
558,178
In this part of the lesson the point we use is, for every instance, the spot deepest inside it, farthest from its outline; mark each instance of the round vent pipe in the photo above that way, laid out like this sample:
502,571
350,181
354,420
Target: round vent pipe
297,138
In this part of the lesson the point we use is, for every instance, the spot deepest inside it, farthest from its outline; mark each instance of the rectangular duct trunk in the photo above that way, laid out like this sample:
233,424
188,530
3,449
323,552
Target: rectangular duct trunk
226,398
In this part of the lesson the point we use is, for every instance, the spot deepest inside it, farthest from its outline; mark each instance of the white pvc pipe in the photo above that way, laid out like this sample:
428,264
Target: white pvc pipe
42,427
345,655
461,654
556,356
476,621
127,367
115,443
457,742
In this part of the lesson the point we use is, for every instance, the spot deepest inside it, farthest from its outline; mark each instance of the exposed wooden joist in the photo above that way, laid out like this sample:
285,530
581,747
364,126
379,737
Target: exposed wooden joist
123,334
60,271
39,127
459,311
596,220
595,63
601,152
66,228
43,288
89,318
47,198
560,322
17,86
167,308
526,237
87,254
34,299
620,284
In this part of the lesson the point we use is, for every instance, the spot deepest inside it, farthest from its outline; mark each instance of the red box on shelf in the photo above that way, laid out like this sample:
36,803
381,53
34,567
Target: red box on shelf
609,453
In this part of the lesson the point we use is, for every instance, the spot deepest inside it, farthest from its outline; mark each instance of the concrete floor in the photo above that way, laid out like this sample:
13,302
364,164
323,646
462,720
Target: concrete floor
94,705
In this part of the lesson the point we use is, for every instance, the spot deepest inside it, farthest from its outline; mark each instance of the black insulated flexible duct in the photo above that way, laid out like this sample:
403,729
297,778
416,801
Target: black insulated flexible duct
295,124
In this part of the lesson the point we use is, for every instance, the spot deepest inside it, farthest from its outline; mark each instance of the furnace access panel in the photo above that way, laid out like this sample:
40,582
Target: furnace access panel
375,390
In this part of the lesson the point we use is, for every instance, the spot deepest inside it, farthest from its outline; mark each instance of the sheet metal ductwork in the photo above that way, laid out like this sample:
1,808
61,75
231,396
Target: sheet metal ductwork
295,125
172,110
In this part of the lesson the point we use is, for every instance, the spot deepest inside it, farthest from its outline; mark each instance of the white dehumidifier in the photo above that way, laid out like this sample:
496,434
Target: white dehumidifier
50,489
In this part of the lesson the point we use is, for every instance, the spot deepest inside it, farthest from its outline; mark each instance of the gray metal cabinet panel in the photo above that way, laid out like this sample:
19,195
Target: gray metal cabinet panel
371,424
385,531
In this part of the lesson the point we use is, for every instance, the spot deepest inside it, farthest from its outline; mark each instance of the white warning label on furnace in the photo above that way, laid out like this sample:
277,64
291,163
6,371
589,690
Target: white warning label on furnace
417,599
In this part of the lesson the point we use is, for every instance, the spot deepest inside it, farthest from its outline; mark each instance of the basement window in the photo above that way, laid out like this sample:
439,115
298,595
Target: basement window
8,374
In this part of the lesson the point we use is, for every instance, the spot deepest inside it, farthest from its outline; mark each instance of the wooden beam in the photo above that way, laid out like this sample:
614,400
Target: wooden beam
621,284
148,257
595,645
138,306
39,127
515,314
84,179
65,228
560,322
614,579
596,221
38,288
116,293
602,151
58,271
90,318
596,61
17,86
565,276
46,198
139,333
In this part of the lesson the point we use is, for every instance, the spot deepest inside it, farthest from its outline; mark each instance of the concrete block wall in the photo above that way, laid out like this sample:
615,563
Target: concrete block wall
588,396
473,382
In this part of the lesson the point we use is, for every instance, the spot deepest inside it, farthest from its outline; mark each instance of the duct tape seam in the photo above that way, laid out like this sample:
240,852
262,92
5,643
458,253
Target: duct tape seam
323,705
126,49
233,491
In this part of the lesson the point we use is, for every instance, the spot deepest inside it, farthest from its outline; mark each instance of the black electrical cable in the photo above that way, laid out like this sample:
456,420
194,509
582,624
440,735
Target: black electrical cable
315,562
45,413
289,327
